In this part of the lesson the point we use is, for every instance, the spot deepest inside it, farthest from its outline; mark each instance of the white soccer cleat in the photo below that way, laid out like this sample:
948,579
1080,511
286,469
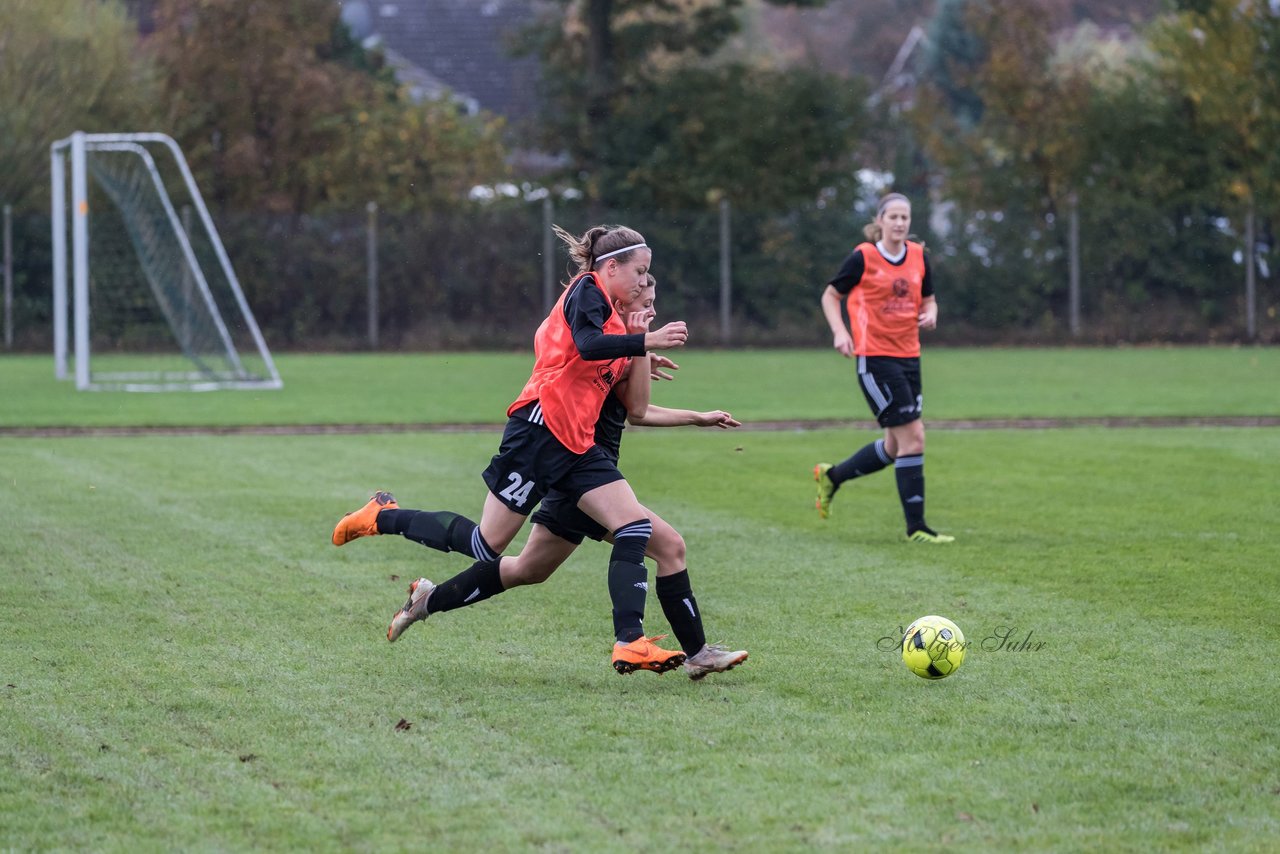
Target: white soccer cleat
413,611
713,658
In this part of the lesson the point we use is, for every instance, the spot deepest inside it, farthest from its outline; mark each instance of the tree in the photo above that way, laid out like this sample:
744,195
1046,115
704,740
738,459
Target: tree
282,112
1221,54
642,101
67,65
1003,124
953,54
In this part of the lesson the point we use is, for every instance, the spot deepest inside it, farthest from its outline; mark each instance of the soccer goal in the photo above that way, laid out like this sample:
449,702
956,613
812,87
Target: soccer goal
155,303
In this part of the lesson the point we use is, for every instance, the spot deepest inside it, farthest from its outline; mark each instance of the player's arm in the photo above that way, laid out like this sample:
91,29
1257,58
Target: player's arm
586,311
928,304
661,416
635,392
833,297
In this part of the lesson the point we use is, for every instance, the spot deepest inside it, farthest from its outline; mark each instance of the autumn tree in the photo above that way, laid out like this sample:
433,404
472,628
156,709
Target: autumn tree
282,112
1222,55
67,65
646,107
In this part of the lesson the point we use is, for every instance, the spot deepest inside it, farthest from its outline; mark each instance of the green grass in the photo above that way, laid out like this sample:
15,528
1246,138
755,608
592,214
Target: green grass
763,385
188,664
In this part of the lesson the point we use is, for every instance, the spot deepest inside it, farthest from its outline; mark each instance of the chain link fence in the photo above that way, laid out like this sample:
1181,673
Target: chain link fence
476,277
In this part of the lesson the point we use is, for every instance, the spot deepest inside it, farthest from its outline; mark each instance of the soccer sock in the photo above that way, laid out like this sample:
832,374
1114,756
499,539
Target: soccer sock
910,472
437,529
867,460
629,579
476,583
681,611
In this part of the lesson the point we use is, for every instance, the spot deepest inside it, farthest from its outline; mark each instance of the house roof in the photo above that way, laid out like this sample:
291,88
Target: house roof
465,45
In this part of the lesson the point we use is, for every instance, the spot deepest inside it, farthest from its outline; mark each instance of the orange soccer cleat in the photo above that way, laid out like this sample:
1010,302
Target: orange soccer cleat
644,654
363,522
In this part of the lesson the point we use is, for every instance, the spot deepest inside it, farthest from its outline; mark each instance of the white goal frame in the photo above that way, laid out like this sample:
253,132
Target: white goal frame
75,147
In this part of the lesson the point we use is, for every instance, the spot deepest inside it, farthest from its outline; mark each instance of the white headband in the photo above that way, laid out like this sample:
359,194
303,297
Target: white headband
892,197
600,258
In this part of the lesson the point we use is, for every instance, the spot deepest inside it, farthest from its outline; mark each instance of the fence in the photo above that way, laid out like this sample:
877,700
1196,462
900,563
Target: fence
481,276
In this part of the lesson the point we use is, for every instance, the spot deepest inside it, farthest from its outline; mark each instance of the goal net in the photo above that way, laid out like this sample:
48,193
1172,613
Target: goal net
155,303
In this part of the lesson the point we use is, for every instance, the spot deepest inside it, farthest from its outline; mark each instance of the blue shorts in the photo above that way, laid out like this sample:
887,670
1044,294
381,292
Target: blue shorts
531,462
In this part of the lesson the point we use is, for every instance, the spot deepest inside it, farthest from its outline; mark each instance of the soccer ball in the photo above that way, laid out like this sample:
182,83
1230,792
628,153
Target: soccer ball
933,647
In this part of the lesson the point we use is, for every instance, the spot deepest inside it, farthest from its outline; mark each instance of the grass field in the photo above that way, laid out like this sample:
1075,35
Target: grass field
188,664
764,385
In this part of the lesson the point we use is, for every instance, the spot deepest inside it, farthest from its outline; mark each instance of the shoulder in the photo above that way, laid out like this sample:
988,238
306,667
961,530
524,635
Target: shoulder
917,252
584,293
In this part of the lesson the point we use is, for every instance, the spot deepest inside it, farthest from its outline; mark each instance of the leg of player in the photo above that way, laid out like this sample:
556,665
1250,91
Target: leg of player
615,507
906,443
612,505
542,555
442,530
476,583
675,594
868,459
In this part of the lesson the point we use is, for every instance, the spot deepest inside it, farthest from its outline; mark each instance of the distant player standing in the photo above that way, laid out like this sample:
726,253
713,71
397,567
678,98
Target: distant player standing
876,306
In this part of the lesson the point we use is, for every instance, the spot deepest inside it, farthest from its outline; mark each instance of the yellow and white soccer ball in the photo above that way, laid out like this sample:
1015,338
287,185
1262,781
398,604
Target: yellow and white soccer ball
933,647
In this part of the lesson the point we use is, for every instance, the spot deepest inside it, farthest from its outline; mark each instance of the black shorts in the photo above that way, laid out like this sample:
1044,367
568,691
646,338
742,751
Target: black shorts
892,388
559,514
531,462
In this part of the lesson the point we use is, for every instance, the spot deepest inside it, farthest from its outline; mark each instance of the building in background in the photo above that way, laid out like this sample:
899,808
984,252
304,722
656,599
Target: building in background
458,48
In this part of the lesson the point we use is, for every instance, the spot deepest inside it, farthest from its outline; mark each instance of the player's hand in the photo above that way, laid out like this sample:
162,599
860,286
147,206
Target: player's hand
674,334
716,418
657,362
638,321
843,344
929,316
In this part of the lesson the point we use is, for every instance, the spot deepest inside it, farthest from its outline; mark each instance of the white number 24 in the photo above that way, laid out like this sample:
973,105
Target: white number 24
518,490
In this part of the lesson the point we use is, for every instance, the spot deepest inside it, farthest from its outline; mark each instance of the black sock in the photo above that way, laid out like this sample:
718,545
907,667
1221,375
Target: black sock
867,460
629,580
681,611
437,529
476,583
910,472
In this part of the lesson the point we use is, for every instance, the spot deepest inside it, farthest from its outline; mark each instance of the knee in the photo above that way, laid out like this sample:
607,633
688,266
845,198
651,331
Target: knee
668,549
496,541
522,575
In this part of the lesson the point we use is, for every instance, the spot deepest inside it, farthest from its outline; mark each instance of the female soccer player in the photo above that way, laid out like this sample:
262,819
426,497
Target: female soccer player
876,306
580,350
559,527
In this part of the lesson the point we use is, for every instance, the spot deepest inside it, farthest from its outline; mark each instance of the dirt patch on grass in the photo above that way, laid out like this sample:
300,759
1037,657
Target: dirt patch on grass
752,426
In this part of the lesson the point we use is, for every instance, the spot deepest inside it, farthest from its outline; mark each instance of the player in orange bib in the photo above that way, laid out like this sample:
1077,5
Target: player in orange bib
876,306
559,527
580,350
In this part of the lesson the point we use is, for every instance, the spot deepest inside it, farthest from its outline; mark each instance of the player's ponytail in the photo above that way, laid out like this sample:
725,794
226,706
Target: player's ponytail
600,243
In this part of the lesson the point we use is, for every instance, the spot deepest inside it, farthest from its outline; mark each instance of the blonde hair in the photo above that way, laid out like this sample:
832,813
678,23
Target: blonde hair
598,241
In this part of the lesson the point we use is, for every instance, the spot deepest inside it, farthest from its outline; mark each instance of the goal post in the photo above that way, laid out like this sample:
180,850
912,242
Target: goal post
154,302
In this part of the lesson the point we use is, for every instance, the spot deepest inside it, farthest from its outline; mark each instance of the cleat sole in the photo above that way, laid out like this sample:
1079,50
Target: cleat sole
626,667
